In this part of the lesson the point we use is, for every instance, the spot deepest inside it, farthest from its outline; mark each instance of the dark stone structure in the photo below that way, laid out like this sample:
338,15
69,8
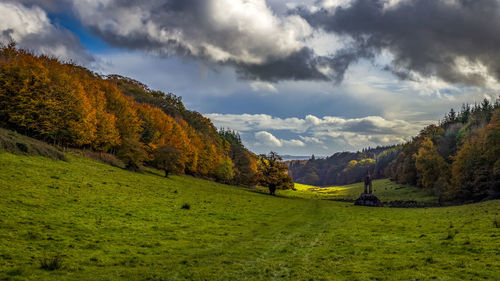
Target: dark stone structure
367,198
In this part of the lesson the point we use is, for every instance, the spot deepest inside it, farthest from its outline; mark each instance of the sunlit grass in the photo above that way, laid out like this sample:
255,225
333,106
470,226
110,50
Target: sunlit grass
104,223
384,189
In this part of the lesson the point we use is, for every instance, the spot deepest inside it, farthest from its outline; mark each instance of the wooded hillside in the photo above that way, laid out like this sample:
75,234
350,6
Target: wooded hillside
340,168
457,160
69,106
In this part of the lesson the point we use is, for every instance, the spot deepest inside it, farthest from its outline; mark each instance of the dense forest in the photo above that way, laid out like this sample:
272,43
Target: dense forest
457,160
69,106
340,168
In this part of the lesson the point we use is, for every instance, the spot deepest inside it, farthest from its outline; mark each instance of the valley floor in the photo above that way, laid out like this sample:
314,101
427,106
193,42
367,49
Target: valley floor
106,223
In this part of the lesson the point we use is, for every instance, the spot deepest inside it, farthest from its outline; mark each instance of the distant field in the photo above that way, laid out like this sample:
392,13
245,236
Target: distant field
385,190
106,223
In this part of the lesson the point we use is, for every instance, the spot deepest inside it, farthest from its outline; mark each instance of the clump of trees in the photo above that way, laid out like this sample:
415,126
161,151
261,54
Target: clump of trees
356,171
457,159
245,163
68,105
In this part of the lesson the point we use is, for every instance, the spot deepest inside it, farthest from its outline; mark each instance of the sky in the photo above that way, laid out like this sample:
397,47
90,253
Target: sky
295,77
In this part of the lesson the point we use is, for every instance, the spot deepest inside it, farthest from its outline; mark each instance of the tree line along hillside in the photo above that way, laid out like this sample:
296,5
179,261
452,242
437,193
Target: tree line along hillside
340,168
70,106
456,160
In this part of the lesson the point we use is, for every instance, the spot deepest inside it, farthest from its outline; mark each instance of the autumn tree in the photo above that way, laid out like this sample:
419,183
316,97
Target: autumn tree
476,170
432,171
274,173
169,159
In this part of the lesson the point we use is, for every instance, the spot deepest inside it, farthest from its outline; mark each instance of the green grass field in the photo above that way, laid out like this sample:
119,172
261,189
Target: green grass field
106,223
385,190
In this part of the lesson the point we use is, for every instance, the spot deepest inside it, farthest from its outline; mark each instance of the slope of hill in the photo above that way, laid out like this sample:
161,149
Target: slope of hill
99,222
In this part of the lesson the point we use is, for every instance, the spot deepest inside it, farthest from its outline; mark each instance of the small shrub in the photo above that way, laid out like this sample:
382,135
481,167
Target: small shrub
14,272
106,158
450,236
51,263
32,235
186,206
22,146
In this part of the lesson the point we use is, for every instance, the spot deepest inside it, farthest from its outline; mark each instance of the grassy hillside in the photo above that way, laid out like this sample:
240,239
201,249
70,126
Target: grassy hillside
385,190
106,223
13,142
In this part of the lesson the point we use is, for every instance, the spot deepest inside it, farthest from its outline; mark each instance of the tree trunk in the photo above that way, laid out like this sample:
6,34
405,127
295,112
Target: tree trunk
272,189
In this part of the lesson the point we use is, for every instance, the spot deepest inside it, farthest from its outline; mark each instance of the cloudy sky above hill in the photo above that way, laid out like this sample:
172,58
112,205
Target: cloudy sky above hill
296,77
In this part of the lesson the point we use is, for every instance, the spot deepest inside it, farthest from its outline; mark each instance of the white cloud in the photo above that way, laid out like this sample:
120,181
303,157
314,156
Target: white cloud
311,140
267,139
260,86
329,133
311,123
333,4
31,29
292,143
246,122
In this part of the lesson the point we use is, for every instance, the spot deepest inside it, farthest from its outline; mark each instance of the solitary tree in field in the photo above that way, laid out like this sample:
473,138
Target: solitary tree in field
274,173
168,159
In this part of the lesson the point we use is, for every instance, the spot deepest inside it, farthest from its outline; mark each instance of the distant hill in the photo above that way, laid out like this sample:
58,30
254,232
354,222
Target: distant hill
338,169
294,157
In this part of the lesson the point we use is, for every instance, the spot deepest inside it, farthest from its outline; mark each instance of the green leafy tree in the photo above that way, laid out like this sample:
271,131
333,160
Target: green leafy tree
224,171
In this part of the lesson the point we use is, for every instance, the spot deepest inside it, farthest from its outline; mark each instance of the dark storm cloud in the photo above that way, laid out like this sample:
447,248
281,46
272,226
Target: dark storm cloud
424,36
245,34
48,5
301,65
